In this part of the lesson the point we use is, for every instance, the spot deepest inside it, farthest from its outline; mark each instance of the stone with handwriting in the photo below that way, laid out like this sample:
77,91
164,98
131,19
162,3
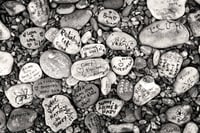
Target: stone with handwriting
92,50
55,64
32,38
39,12
122,65
19,95
145,90
30,72
125,89
121,41
194,22
170,128
59,112
67,40
86,95
169,64
164,34
191,127
93,123
166,9
109,107
6,63
90,69
50,34
46,87
186,79
108,17
21,119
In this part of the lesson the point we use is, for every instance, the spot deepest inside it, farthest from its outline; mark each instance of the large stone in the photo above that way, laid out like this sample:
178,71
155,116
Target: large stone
93,123
14,7
21,119
55,64
125,89
113,4
76,20
92,50
6,63
164,34
90,69
170,128
194,22
59,113
166,9
39,12
4,32
191,127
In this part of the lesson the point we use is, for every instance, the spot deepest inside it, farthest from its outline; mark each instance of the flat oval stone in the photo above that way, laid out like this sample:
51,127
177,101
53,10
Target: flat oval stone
122,65
110,4
108,17
51,34
6,63
14,7
82,4
76,20
105,85
179,114
32,38
93,123
92,50
59,113
169,64
39,12
166,9
68,41
145,90
4,32
109,107
55,64
121,128
191,127
46,87
21,119
2,119
90,69
164,34
65,8
19,95
30,72
84,96
65,1
193,19
186,79
86,37
121,41
125,89
170,128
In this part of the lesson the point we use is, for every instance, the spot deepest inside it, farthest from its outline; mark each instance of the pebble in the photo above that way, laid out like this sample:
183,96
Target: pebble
169,64
2,119
121,41
126,11
4,32
77,20
156,57
6,63
186,79
146,50
55,64
145,90
166,9
86,37
140,63
68,41
65,1
13,7
110,4
39,12
125,89
105,85
71,81
65,8
59,113
93,123
121,128
19,95
112,77
30,72
51,34
32,38
92,50
193,19
109,107
21,119
179,114
198,1
170,128
191,127
46,87
82,4
164,34
122,65
108,17
90,69
84,96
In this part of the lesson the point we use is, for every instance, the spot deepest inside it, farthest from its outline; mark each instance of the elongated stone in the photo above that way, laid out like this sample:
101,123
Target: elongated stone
65,1
170,128
93,123
4,32
14,7
121,128
2,119
193,19
105,85
65,8
6,63
110,4
92,50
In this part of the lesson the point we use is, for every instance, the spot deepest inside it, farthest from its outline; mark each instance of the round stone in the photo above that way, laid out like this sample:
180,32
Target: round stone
191,127
6,63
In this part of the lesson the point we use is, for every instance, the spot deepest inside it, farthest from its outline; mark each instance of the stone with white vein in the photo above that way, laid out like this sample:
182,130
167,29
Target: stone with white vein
191,127
6,63
4,32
